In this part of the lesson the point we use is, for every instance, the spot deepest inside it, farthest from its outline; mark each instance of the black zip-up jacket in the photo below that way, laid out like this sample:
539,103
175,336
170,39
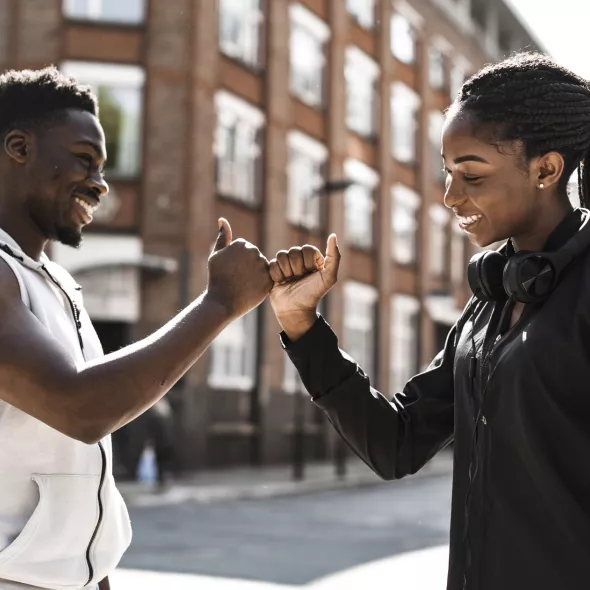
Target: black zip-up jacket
524,521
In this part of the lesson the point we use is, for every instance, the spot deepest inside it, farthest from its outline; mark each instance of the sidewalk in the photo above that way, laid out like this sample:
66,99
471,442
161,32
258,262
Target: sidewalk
266,482
418,570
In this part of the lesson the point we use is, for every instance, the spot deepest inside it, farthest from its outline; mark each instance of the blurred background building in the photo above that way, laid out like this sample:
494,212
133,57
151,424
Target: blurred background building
259,111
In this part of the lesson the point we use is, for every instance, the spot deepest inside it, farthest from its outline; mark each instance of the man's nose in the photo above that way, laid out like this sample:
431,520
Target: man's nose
99,184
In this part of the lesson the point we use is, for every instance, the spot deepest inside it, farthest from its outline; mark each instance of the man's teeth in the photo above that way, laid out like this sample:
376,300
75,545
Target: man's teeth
86,206
469,220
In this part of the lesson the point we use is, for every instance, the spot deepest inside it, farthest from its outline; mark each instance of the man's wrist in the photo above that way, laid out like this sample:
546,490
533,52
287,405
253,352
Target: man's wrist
297,324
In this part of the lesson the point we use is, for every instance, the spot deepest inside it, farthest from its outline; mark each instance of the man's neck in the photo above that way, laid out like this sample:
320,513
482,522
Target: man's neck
25,234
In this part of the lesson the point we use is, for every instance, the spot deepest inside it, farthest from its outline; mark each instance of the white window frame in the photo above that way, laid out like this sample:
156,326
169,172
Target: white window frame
359,215
308,85
402,196
94,12
292,382
437,240
114,75
363,12
404,15
360,300
304,208
404,122
247,46
238,341
405,314
437,78
238,178
361,74
436,120
458,74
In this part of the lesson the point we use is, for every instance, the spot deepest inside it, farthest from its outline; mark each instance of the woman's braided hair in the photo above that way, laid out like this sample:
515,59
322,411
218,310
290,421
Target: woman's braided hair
529,97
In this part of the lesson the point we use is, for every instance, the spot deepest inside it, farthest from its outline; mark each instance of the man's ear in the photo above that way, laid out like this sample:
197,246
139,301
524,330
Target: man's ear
17,145
548,169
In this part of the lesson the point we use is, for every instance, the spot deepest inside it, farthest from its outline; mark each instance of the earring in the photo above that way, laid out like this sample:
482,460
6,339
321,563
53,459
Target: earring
541,185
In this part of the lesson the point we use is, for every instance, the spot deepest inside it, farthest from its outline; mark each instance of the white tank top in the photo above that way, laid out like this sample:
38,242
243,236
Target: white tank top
63,523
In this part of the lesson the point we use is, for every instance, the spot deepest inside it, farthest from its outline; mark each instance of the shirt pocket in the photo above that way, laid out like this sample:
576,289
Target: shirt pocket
51,549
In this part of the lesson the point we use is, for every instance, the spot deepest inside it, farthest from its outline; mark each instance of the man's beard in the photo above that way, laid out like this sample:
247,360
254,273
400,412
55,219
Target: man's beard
68,236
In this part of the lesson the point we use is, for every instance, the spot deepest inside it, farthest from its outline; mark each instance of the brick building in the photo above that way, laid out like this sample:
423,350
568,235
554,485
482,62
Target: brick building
246,109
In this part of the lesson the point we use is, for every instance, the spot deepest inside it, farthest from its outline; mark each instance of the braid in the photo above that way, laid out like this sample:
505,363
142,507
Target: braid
530,98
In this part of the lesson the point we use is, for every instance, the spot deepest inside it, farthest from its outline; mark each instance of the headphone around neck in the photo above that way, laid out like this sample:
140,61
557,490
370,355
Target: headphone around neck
528,277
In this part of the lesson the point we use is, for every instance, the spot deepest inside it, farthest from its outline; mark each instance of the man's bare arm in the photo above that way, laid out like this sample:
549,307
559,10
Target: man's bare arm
104,585
39,376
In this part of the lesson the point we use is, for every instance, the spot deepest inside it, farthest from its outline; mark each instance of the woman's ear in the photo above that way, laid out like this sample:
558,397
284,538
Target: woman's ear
17,145
548,170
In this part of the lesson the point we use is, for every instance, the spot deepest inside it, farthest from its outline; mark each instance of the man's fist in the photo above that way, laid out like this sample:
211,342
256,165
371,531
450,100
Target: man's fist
238,274
302,277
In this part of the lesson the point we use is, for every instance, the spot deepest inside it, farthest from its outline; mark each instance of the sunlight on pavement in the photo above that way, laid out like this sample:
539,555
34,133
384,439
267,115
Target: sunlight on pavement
417,570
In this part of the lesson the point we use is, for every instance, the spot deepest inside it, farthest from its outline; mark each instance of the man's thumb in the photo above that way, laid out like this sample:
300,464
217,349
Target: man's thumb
224,238
332,261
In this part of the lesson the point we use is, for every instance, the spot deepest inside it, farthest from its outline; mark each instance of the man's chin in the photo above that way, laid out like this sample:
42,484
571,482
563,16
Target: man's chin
69,237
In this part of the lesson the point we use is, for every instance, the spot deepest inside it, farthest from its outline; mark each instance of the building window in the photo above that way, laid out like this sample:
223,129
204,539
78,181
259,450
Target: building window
119,11
405,315
361,74
362,11
239,29
402,38
405,105
457,79
404,224
233,355
436,68
458,250
237,147
359,324
359,204
437,247
120,95
436,121
292,382
305,177
308,37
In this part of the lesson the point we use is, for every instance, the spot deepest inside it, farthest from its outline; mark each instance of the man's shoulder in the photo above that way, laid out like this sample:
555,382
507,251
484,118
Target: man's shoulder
9,286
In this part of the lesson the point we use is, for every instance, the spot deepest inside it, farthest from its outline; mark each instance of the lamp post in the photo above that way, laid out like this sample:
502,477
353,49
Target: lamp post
324,190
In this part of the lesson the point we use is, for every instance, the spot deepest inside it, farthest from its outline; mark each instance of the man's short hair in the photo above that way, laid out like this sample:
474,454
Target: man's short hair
31,99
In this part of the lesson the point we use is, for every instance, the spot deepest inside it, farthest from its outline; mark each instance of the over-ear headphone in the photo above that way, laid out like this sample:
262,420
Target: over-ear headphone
528,277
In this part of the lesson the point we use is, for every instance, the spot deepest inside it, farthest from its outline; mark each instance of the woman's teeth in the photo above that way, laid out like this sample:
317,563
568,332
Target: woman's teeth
90,209
467,221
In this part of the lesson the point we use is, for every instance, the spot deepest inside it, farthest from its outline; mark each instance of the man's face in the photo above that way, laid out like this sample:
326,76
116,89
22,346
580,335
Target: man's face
65,181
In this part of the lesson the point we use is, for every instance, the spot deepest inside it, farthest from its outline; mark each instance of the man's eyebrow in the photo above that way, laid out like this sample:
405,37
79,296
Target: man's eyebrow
94,146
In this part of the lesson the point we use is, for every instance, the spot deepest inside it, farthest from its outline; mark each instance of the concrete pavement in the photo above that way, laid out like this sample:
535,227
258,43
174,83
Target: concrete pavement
417,570
246,483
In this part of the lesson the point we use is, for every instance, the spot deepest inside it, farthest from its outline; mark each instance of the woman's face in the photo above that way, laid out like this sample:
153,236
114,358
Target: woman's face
487,187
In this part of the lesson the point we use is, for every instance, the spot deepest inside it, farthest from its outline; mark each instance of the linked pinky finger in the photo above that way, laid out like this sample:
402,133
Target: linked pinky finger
275,272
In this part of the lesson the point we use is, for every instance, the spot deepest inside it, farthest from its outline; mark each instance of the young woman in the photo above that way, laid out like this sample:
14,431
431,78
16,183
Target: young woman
511,386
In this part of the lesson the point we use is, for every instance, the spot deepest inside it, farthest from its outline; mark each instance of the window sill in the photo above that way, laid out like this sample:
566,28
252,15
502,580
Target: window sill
98,22
305,228
360,248
311,103
256,68
250,205
371,136
226,382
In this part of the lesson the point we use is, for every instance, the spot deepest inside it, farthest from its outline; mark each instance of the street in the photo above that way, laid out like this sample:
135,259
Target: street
295,540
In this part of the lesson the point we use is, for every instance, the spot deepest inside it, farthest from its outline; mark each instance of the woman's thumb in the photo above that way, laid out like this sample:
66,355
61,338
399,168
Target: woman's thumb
332,262
224,238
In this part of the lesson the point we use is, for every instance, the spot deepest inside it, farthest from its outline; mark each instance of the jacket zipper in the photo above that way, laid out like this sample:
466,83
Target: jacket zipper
100,515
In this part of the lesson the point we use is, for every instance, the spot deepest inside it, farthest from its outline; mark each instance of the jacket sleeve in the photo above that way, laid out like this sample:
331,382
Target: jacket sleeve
393,438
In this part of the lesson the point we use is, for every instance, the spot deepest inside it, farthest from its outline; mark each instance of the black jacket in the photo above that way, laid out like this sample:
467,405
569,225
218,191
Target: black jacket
524,521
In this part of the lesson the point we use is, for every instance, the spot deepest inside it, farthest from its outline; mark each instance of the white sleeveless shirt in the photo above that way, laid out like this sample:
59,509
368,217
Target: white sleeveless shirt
63,523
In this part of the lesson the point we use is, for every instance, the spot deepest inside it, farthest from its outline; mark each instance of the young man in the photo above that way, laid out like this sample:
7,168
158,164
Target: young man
63,523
